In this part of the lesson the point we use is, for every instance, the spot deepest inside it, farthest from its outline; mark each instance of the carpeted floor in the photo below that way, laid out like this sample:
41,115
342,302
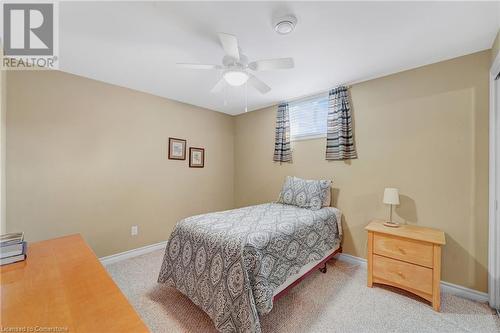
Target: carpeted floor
337,301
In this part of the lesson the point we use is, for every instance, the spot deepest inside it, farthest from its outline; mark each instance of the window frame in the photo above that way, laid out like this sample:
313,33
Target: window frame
314,136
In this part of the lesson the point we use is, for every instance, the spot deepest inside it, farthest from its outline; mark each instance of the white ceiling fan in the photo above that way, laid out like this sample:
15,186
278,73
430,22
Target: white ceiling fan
236,68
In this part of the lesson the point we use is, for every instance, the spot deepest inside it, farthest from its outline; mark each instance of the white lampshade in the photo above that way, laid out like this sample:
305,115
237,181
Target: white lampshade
391,196
235,77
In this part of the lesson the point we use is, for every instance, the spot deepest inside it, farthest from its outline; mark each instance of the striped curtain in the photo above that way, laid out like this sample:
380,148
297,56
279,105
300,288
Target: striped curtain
340,137
282,152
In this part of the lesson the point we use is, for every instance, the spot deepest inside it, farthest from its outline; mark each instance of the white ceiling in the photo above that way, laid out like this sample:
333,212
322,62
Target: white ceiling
136,44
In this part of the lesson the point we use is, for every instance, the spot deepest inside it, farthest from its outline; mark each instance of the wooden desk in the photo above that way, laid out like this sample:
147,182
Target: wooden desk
407,257
62,284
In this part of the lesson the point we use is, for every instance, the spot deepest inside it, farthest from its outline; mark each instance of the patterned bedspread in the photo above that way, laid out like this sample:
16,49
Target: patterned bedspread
229,263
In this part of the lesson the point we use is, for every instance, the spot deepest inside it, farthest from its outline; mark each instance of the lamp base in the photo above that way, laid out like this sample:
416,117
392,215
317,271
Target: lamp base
391,224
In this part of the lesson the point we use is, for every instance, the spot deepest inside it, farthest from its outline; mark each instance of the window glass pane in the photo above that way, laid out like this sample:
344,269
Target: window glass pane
308,117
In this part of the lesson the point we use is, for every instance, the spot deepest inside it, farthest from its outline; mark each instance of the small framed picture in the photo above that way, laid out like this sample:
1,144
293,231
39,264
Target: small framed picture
196,157
176,149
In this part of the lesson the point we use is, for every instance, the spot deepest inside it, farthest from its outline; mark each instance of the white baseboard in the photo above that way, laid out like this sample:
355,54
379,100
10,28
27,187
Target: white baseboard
351,259
464,292
132,253
446,287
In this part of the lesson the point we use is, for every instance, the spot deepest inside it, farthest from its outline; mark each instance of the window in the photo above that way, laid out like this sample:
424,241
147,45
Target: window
308,117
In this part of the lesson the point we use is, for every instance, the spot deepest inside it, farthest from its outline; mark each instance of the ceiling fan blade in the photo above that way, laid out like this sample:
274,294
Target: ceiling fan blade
230,45
269,64
258,84
219,86
198,66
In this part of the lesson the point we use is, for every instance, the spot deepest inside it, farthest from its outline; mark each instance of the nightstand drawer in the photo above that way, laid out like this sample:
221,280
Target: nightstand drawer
401,273
403,249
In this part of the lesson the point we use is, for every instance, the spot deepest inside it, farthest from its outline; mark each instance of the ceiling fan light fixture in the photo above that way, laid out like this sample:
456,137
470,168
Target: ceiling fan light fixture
235,77
285,25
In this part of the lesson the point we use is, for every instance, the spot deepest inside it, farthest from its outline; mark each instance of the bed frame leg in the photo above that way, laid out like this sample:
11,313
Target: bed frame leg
323,269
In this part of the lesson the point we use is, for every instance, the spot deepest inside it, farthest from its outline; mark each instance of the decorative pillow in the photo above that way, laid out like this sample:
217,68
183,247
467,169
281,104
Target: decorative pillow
304,193
328,199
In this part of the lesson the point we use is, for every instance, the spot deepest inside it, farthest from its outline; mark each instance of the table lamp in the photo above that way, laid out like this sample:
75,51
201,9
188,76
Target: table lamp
391,197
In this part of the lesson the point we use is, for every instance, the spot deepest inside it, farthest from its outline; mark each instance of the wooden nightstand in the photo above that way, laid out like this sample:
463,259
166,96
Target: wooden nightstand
407,257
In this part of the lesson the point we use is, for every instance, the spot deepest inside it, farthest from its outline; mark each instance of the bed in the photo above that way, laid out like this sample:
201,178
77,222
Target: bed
234,264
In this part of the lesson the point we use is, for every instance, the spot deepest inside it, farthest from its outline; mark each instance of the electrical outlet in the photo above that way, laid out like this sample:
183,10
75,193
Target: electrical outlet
134,230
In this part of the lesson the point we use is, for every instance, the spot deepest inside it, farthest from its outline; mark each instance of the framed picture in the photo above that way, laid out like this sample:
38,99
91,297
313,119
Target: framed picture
196,157
176,149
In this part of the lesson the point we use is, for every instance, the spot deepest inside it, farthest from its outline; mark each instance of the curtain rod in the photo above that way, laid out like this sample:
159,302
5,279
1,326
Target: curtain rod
310,96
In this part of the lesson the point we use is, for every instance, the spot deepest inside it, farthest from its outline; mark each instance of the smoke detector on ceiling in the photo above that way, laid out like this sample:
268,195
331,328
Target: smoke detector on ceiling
285,25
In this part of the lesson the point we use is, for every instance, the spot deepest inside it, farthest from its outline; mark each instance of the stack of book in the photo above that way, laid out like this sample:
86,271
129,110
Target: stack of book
12,248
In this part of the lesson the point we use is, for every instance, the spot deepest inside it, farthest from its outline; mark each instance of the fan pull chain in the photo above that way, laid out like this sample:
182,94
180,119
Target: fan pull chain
246,96
225,95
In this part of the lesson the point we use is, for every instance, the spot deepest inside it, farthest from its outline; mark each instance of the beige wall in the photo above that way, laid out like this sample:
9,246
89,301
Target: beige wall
495,48
89,157
424,131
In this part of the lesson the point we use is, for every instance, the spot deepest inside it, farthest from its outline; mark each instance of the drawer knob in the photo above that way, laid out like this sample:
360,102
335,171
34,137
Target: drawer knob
401,250
401,275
